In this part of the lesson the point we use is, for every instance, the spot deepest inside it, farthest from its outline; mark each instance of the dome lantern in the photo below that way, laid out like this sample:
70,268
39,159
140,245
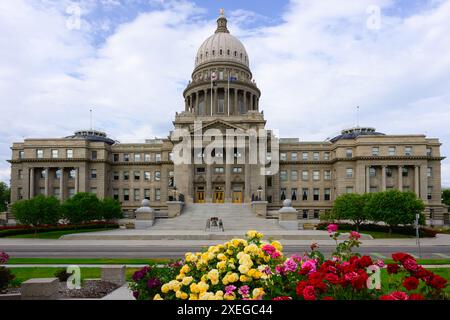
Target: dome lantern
222,23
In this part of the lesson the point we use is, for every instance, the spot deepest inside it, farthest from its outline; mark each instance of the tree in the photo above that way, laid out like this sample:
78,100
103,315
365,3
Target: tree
395,208
446,197
82,208
111,209
38,211
351,206
5,193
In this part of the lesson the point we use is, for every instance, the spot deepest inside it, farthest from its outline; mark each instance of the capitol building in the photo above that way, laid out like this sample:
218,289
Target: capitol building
222,95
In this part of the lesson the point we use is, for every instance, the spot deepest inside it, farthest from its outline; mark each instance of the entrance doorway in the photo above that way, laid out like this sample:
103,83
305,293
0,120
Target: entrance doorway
219,195
200,195
237,197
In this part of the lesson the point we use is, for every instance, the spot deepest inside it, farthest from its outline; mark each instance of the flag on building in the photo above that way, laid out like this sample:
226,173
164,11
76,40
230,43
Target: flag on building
214,78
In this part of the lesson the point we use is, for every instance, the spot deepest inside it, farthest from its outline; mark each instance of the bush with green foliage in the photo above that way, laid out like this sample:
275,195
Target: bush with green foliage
6,276
446,197
111,209
62,275
351,206
5,193
38,211
395,208
82,208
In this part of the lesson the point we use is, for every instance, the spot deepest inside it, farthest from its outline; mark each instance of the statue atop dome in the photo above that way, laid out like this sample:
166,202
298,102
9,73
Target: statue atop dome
222,23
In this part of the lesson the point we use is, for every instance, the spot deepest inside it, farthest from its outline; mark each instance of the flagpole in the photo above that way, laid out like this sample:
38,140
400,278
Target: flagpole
211,95
228,93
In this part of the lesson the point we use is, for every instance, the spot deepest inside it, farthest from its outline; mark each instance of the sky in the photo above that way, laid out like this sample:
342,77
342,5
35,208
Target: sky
314,61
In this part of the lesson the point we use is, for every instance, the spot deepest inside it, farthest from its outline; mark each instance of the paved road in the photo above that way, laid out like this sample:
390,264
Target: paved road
176,251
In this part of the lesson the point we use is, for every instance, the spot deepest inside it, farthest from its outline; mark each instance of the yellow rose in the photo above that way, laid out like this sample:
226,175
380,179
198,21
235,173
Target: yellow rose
229,297
202,287
243,269
222,257
193,296
277,245
229,252
187,281
231,266
251,234
157,297
258,292
165,288
184,296
194,288
213,275
244,278
221,265
234,277
185,269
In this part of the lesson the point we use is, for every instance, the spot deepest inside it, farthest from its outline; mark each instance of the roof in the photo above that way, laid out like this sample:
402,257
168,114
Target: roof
355,132
92,135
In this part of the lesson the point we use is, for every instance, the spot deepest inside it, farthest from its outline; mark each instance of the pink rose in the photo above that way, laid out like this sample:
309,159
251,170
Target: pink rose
332,228
354,235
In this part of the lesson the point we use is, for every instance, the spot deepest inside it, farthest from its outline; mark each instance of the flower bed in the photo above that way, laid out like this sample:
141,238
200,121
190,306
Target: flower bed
424,232
252,269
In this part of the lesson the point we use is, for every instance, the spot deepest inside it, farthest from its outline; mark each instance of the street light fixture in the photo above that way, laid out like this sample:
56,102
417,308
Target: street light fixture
260,190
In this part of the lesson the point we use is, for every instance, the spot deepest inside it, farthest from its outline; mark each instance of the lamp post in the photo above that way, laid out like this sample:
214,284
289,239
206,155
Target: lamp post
260,190
175,193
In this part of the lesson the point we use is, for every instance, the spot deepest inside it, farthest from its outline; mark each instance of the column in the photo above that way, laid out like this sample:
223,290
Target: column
248,191
257,103
186,105
206,100
76,180
383,178
208,195
32,187
215,101
423,183
61,185
47,176
416,181
197,99
236,109
226,93
251,101
367,179
228,168
245,101
400,178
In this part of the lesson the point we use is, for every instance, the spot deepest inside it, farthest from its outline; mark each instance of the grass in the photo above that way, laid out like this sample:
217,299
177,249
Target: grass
381,235
84,261
24,274
425,261
55,234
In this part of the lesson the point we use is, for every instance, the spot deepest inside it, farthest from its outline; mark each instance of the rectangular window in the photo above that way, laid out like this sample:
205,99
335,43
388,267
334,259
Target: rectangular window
147,194
126,195
316,156
19,194
69,154
294,156
349,172
20,174
126,176
305,192
157,176
294,175
431,214
404,171
349,153
237,170
305,156
305,175
147,176
316,214
269,182
116,194
283,156
294,194
158,157
375,151
137,175
55,154
157,194
429,172
430,193
171,156
21,154
283,175
93,174
137,157
305,214
219,170
58,174
406,189
43,174
327,194
147,157
201,170
429,152
392,151
408,151
126,157
326,156
316,175
388,172
349,189
137,195
72,174
116,176
283,194
71,192
40,154
316,193
372,172
94,155
116,157
327,175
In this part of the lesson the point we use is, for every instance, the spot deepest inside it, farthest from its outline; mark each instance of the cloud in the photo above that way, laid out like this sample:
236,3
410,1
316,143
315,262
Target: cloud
319,63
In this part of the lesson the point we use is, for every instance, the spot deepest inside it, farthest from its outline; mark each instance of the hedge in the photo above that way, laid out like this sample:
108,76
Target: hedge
405,230
20,230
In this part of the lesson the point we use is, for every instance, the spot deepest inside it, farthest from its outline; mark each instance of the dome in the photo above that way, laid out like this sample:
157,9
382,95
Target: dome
222,47
92,135
353,133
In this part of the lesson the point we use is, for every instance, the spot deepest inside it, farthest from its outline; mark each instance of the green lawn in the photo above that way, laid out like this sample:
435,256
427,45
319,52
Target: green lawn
425,261
55,234
24,274
84,261
381,235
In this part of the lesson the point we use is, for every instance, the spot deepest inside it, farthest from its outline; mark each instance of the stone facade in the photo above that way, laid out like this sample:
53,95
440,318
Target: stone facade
223,96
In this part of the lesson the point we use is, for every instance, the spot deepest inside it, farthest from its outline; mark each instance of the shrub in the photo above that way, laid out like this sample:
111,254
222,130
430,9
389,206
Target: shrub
6,276
82,208
111,209
351,206
37,211
62,275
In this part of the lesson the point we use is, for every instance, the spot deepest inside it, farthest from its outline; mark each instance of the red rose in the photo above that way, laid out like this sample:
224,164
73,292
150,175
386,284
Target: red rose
309,293
332,278
300,286
393,268
399,295
422,273
410,264
365,261
400,256
438,282
360,281
416,296
328,298
305,270
411,283
282,298
387,297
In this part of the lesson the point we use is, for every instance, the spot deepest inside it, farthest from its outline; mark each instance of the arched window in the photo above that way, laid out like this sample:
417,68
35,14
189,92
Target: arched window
206,55
235,53
214,52
241,56
201,56
228,52
220,51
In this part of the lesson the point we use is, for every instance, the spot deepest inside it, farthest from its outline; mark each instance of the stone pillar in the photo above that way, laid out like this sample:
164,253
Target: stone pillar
423,183
383,178
208,195
226,93
416,181
32,187
215,101
186,105
76,180
61,185
236,109
248,190
245,101
228,168
251,101
205,93
400,178
257,103
47,179
197,100
367,179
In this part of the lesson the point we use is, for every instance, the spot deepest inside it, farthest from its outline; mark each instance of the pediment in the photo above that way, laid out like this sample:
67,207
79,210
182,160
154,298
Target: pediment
221,125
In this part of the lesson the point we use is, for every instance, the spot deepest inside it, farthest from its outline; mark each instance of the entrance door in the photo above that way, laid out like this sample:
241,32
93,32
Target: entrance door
219,197
237,196
200,196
